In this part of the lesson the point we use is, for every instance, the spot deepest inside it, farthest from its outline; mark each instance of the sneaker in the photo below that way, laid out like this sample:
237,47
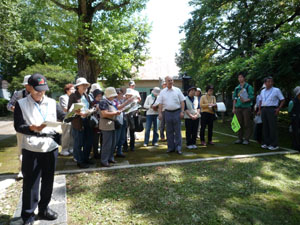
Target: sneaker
264,146
238,141
273,148
194,146
145,145
156,144
189,146
245,142
64,153
20,175
203,143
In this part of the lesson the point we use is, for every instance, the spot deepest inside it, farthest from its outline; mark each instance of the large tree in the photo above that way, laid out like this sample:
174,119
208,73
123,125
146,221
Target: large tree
93,37
222,32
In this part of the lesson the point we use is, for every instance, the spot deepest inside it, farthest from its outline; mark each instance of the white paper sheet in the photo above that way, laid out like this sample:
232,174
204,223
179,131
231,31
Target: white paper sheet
221,107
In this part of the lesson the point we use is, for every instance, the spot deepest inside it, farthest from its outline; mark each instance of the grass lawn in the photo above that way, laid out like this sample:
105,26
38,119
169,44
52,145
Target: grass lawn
234,191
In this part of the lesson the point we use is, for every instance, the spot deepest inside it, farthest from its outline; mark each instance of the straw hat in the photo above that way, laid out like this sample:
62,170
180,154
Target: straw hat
110,92
25,81
80,81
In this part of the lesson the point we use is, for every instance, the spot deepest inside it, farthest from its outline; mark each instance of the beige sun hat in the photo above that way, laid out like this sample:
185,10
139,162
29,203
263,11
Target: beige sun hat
94,87
25,81
80,81
110,92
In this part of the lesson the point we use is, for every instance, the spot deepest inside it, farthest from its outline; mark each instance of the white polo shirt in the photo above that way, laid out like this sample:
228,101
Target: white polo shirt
271,97
171,98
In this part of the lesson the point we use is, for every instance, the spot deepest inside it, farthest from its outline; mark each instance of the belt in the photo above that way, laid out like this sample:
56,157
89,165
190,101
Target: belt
172,110
269,107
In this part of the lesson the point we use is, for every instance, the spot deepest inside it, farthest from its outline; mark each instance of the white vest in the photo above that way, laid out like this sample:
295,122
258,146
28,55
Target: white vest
191,106
36,114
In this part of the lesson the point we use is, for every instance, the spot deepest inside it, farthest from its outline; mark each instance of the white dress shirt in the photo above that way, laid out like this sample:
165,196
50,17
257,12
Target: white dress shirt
171,98
271,97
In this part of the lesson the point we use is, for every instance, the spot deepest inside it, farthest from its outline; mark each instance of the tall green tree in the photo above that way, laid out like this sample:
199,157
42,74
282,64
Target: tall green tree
103,33
222,32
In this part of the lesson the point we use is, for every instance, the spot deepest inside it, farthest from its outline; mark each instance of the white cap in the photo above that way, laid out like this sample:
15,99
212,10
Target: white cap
110,92
129,91
131,83
25,81
297,91
199,89
80,81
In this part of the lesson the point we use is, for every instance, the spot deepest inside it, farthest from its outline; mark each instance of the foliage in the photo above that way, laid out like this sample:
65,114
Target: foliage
3,109
224,38
56,77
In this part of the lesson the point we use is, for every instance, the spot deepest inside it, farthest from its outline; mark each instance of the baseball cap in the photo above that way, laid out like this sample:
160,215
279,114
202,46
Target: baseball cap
131,83
38,82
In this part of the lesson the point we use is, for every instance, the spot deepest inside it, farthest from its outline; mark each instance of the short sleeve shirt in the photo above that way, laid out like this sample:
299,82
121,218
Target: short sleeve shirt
171,98
271,97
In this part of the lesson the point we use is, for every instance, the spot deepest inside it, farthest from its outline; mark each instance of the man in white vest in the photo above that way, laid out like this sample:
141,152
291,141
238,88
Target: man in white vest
39,148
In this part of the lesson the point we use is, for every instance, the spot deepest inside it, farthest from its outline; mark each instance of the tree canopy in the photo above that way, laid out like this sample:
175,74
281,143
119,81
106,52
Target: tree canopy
224,38
91,38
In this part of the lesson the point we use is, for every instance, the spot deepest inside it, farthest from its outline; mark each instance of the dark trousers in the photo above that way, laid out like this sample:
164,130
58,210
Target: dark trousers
191,129
162,126
258,132
207,119
244,117
269,119
83,141
173,125
96,138
36,166
132,140
296,133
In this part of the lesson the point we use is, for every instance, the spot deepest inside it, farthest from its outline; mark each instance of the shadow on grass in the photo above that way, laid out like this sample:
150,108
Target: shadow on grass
247,191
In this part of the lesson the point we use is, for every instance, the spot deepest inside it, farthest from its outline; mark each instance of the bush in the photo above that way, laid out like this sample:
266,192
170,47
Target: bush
3,110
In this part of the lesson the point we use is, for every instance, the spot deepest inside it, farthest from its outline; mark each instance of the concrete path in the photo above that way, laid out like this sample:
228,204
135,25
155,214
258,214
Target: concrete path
6,129
58,204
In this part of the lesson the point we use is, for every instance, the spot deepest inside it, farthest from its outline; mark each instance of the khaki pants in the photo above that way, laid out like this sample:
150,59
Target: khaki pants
66,137
244,118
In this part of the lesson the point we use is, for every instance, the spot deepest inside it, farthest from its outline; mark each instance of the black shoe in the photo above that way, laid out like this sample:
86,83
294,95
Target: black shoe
179,152
82,165
89,162
112,161
105,165
121,155
48,215
169,151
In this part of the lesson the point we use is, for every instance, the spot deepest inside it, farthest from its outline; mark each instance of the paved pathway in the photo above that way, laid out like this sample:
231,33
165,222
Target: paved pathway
6,129
58,204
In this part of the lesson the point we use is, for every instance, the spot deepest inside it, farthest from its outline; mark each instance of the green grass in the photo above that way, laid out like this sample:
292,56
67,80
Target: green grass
241,191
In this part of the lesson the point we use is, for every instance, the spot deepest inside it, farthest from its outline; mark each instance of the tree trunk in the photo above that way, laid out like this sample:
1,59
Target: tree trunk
87,67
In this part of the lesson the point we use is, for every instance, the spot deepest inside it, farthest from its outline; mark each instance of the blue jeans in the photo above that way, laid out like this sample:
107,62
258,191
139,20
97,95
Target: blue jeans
149,120
83,141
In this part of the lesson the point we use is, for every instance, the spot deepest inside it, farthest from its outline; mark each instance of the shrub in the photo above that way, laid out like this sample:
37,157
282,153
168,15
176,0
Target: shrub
3,110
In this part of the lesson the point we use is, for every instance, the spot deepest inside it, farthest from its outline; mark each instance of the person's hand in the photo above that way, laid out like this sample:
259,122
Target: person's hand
277,111
12,108
78,112
181,115
160,116
37,128
118,112
233,110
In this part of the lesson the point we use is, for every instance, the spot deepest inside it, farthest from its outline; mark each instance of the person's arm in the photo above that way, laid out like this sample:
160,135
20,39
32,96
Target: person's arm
280,106
12,102
147,104
20,124
203,103
182,109
110,115
60,114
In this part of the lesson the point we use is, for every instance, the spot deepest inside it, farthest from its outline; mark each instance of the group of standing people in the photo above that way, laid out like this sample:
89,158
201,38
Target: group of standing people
103,119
